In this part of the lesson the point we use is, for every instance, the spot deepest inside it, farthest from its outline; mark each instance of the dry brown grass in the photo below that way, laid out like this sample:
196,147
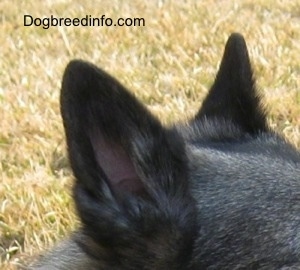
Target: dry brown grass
169,64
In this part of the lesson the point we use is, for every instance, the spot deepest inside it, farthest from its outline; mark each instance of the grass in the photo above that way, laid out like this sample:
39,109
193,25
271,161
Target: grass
169,64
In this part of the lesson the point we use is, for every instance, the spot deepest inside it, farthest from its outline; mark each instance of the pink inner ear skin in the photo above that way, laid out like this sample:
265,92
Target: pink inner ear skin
132,185
116,164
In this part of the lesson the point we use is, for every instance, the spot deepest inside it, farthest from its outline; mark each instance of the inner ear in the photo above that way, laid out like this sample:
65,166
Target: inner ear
116,164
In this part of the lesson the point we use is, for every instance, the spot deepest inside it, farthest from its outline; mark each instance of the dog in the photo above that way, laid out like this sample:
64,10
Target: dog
221,191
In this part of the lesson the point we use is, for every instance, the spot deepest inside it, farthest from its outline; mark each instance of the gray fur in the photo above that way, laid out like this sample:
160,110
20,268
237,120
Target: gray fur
65,256
220,192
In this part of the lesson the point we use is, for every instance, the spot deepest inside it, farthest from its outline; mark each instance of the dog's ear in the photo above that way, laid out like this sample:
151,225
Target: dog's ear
129,169
112,138
233,98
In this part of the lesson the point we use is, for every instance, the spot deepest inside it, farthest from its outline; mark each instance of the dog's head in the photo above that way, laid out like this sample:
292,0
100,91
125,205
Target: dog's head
133,181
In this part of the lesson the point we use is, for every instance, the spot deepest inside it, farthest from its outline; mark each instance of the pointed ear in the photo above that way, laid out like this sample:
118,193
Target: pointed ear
115,145
131,190
233,97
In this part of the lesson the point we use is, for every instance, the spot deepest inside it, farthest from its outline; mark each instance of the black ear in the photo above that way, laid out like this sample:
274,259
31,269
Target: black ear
131,173
233,97
113,139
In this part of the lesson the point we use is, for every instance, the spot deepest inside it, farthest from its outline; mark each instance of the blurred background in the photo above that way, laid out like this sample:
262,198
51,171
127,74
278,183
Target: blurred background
169,63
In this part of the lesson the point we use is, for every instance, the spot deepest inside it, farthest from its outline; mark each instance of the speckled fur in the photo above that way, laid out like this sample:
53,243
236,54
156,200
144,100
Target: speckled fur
220,192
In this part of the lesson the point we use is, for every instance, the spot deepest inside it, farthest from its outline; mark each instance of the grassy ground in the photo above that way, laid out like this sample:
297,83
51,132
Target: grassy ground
169,63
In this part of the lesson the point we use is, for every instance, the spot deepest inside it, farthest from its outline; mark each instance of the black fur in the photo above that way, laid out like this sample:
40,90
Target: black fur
221,192
120,218
233,96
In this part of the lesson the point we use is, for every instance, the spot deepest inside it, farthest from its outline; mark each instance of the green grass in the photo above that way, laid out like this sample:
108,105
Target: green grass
169,64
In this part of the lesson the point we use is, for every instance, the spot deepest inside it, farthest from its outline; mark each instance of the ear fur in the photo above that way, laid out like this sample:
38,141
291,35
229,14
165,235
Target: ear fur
233,97
131,172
